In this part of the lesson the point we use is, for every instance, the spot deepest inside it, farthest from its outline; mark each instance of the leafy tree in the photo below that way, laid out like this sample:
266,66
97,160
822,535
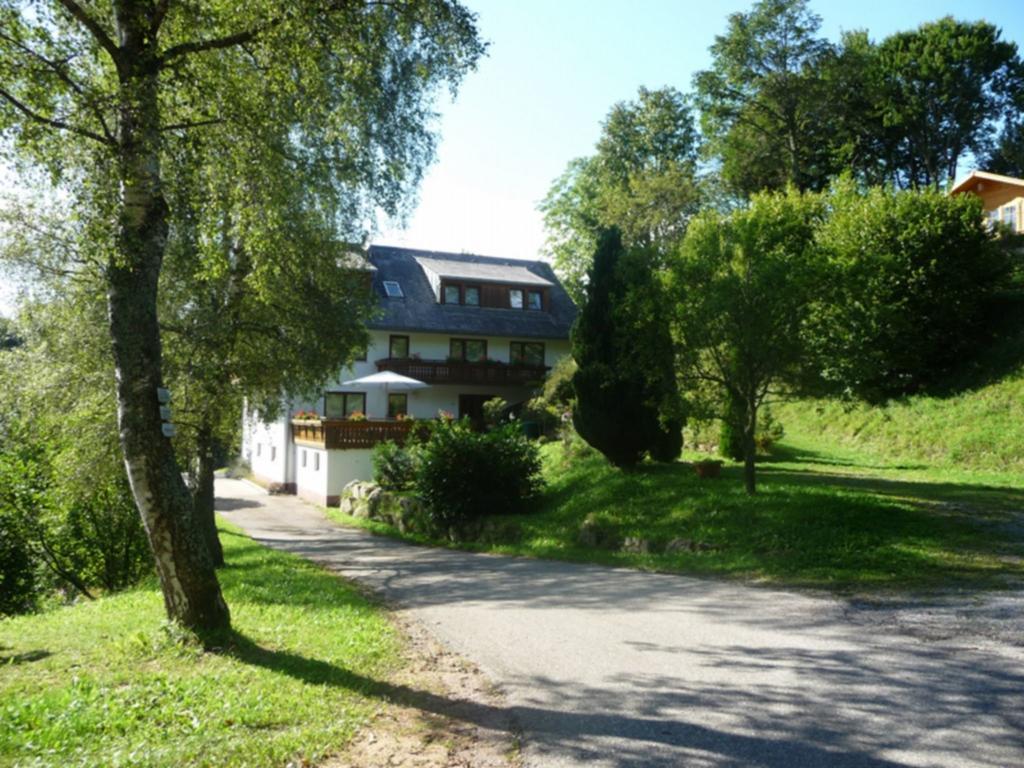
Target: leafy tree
941,87
99,94
1007,157
761,101
63,487
626,396
641,180
741,290
912,274
253,272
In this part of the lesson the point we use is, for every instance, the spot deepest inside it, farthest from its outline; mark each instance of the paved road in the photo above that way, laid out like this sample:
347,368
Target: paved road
620,669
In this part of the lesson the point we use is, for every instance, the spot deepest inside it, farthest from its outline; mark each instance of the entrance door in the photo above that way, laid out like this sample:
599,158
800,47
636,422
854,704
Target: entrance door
473,407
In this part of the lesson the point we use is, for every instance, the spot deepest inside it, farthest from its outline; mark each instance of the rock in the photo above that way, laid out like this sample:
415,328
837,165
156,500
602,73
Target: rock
597,531
679,545
637,546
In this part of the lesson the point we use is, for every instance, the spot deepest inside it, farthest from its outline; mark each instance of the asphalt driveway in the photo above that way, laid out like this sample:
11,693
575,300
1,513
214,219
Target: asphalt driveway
620,669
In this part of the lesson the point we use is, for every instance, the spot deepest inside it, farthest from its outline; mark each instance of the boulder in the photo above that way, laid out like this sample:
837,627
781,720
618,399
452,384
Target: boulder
596,531
637,546
679,545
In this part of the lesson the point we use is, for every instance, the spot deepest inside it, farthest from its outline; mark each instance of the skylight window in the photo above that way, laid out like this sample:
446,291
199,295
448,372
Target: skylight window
393,289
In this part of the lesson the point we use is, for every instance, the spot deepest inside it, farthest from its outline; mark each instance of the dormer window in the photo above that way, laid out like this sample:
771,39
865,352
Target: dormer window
451,294
535,300
393,289
471,296
515,298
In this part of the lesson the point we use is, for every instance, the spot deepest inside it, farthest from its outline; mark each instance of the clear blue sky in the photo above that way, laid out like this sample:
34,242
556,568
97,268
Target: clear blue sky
553,70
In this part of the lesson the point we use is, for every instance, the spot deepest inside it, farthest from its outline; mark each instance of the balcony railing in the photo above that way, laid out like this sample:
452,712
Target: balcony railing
333,434
459,372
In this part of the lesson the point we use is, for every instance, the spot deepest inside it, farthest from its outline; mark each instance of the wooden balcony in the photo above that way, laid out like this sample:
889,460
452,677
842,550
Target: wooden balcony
488,373
334,434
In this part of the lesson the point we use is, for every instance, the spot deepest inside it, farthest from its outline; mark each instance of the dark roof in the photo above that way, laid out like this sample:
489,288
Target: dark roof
419,310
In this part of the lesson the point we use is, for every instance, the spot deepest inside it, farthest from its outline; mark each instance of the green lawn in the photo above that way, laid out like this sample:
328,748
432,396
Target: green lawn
103,683
822,518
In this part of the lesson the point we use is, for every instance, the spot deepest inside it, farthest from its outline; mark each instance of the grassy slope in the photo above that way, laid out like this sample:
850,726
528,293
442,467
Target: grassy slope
103,683
980,430
977,427
820,520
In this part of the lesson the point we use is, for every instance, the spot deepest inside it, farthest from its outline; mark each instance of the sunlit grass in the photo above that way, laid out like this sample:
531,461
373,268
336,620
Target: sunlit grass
105,683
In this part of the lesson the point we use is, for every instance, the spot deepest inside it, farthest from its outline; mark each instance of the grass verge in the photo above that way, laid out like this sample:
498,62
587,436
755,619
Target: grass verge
819,519
106,683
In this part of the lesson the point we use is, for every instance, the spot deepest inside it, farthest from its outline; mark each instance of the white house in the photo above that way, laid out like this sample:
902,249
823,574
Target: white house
468,327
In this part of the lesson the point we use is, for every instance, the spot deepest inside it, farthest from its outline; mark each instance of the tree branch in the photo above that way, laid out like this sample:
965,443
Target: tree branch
52,122
59,70
94,28
217,43
196,124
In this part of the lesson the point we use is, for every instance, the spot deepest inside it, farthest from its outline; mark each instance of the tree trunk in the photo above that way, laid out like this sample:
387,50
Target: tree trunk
191,593
750,448
203,495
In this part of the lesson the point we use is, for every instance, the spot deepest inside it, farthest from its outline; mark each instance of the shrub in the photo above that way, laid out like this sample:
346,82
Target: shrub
495,412
464,475
393,466
17,572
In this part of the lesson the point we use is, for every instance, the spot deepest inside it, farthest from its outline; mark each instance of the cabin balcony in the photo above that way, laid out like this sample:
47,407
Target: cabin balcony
340,434
487,372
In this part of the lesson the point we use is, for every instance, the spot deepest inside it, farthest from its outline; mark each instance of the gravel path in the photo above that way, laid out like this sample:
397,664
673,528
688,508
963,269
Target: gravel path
619,669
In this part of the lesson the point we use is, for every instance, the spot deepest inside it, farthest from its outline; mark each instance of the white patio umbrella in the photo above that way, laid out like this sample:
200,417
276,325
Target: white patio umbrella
391,381
396,382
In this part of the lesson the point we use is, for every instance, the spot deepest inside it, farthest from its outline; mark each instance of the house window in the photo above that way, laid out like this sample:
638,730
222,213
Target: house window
452,294
535,300
393,289
360,354
398,348
526,353
515,298
993,218
341,405
303,458
316,462
273,453
398,404
469,350
1010,217
259,449
471,296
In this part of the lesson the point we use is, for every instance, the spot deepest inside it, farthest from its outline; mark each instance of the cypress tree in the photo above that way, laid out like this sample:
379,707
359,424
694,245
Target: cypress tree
622,385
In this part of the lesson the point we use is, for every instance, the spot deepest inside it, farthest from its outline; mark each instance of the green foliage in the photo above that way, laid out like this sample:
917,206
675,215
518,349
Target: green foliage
495,412
19,586
780,105
911,276
641,180
626,396
464,475
762,99
742,288
105,683
1007,156
394,466
942,87
62,483
730,436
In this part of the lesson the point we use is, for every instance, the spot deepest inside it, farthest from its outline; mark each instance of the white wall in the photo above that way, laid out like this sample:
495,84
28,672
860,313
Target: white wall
266,447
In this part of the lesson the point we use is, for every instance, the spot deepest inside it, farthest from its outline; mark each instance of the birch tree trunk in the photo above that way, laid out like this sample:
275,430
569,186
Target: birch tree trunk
191,592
